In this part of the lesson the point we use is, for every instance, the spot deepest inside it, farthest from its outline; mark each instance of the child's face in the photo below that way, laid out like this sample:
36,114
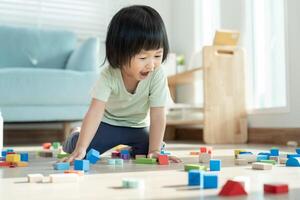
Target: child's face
144,62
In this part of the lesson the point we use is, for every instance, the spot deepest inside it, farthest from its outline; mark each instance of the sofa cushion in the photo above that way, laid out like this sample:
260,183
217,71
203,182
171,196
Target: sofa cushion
23,86
85,57
35,48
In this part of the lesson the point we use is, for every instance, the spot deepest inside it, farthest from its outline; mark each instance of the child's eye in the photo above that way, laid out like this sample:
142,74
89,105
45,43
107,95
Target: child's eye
143,58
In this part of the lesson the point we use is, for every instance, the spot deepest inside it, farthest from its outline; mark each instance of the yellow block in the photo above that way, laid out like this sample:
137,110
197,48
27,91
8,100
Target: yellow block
13,158
22,164
226,37
238,151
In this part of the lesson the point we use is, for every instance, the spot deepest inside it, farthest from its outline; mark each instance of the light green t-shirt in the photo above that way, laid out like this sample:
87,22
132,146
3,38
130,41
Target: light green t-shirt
126,109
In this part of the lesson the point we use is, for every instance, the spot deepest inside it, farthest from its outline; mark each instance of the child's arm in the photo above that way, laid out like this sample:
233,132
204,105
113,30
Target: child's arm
89,127
157,131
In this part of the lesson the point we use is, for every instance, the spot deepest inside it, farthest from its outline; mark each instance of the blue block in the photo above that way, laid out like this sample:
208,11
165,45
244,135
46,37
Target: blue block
93,156
262,157
274,152
265,153
124,151
83,165
24,156
3,153
119,162
9,150
162,152
246,152
293,162
195,177
62,166
215,165
293,155
210,181
298,150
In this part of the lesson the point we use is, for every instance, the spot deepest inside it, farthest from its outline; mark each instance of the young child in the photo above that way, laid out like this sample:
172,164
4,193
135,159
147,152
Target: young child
132,85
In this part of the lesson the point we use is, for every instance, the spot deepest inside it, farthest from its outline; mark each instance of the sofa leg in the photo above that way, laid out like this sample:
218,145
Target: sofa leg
66,129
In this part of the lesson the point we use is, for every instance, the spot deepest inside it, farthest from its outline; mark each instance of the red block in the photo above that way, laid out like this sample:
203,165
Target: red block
46,145
4,164
276,188
203,150
115,154
163,159
10,153
232,188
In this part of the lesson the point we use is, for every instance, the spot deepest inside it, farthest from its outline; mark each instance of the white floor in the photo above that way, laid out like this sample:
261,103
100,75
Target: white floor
161,182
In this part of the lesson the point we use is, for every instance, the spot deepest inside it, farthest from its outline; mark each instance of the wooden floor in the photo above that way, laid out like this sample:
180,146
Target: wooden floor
160,182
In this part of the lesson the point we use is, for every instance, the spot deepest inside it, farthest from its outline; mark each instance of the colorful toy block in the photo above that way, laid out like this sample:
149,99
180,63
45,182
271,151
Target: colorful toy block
35,178
210,181
145,161
282,160
9,150
163,152
111,161
5,164
276,188
292,143
275,158
232,188
261,166
63,178
265,153
274,152
125,156
215,165
83,165
293,156
245,152
46,145
62,166
195,178
273,162
189,167
62,155
298,150
115,154
24,156
93,156
249,157
22,164
204,157
132,183
238,151
262,157
293,162
240,161
70,171
119,162
13,158
163,159
56,145
3,153
244,181
194,153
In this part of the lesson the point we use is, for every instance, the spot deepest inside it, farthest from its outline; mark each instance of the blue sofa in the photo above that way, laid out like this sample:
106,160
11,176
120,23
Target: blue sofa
45,75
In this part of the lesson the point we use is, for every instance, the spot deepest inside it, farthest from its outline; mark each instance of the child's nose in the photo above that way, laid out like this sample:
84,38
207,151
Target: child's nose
151,65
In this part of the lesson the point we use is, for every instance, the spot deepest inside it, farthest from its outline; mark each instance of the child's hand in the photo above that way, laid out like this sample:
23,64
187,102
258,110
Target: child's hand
155,154
77,154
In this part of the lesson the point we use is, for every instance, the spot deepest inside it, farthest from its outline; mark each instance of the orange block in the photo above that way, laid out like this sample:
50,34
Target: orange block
163,159
47,145
13,158
22,164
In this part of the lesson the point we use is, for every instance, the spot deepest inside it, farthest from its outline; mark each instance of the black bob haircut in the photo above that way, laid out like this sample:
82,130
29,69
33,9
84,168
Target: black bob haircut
133,29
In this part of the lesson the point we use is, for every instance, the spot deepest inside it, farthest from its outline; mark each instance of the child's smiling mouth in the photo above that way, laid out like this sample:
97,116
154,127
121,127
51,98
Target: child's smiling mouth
144,73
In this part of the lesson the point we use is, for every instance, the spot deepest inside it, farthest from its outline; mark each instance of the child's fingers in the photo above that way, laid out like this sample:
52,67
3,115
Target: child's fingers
175,159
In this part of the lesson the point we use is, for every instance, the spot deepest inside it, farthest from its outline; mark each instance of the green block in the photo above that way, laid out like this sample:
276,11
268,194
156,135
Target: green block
145,161
62,155
56,145
273,162
189,167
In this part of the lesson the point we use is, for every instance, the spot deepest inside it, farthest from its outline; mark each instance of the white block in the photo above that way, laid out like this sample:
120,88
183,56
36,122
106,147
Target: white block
35,178
241,161
63,178
249,157
204,157
261,166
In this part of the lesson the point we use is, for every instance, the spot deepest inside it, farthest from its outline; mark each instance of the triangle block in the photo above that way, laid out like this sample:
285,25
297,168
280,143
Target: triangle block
232,188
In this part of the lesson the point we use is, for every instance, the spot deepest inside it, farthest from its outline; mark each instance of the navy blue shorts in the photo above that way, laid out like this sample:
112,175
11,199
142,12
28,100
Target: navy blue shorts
109,136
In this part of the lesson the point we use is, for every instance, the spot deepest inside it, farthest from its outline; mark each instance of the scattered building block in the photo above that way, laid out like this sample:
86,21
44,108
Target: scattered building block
62,166
274,152
163,159
232,188
163,152
70,171
293,162
46,145
293,156
119,162
238,151
204,157
241,161
282,160
195,178
24,156
115,154
244,181
125,156
140,156
22,164
194,153
35,178
276,188
145,161
245,152
276,158
93,156
46,154
63,178
265,153
210,181
132,183
111,161
215,165
9,150
262,157
292,143
189,167
62,155
83,165
5,164
3,153
249,157
261,166
203,150
56,145
13,158
273,162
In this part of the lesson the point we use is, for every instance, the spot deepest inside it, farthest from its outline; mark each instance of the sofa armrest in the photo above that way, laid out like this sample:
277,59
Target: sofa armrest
85,57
